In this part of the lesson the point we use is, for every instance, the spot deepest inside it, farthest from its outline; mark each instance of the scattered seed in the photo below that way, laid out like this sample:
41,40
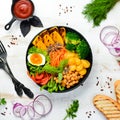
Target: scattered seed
111,92
3,114
102,90
89,113
9,46
97,83
66,23
65,9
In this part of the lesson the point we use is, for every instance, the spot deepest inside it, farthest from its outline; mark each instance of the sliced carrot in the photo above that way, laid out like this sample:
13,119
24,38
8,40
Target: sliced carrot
57,56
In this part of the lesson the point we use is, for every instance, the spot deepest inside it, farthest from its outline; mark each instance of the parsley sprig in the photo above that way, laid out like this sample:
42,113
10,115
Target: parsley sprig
2,101
71,111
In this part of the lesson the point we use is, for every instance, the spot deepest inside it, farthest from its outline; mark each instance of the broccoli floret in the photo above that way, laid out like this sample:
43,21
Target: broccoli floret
70,47
72,38
83,49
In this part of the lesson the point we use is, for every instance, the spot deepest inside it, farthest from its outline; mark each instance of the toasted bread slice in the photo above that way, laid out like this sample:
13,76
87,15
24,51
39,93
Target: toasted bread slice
117,90
109,107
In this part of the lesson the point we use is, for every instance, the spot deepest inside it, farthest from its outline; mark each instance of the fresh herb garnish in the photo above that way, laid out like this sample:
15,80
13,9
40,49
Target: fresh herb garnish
2,101
52,86
71,111
97,10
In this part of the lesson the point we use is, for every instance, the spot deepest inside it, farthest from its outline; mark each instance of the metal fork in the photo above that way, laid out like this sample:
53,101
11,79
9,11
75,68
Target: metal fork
19,87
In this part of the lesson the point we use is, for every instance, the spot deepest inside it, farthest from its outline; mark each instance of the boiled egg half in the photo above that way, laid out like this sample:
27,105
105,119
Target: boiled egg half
36,59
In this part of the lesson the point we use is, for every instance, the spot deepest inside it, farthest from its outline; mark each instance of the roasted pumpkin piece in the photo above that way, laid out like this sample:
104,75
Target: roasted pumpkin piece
43,33
35,41
53,29
57,37
38,43
41,45
62,32
48,40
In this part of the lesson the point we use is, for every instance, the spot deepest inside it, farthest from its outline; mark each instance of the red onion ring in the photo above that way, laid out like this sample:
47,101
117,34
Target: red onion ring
44,100
16,109
110,37
38,108
23,112
106,33
36,115
115,52
31,111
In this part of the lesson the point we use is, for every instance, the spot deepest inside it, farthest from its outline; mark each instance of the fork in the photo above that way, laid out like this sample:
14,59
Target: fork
16,84
19,87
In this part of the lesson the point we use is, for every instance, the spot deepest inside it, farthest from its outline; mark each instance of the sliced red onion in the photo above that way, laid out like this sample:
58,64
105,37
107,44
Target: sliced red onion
46,102
115,52
16,109
31,111
23,112
38,108
110,37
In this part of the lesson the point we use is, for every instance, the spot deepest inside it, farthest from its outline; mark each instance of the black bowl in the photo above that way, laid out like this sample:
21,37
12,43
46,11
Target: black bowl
89,57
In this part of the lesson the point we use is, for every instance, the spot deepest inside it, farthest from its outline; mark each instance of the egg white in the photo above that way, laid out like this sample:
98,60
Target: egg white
42,63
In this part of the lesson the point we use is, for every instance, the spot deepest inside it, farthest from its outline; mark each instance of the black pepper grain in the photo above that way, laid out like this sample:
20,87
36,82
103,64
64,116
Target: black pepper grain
101,89
3,114
66,23
97,83
9,46
110,79
19,35
111,92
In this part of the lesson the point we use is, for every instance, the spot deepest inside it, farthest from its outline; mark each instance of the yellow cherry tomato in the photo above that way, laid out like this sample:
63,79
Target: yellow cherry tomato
85,63
79,67
83,72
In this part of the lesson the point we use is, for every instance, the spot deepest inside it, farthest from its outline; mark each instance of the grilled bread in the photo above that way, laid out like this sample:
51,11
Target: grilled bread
109,107
117,90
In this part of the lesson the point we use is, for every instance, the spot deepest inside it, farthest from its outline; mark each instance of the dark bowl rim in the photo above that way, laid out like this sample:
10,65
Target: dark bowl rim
90,60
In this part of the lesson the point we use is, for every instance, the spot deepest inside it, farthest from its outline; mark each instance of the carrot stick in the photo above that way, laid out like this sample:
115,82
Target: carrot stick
57,56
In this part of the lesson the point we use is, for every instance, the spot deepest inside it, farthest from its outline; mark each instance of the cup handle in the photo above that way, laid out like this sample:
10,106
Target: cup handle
8,25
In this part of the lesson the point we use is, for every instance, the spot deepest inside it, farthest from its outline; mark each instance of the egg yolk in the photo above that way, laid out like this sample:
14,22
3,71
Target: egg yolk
36,59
